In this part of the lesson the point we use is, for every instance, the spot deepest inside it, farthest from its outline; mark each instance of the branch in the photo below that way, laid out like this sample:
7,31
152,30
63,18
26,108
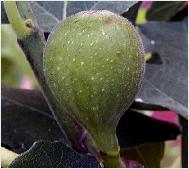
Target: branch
21,27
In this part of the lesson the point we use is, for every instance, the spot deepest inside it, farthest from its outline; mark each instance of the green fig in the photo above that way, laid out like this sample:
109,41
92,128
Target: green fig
94,64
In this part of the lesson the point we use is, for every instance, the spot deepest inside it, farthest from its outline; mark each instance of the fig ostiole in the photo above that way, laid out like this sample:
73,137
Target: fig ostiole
94,64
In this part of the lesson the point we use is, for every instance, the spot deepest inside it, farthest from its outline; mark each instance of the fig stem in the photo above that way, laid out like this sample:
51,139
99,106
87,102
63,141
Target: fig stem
112,161
19,25
92,148
106,160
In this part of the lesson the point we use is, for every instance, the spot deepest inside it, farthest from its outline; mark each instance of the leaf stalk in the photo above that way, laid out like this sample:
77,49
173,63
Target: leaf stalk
20,26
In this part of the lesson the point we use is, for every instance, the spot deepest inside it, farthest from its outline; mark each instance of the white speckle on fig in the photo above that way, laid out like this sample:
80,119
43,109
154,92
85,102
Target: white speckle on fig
82,63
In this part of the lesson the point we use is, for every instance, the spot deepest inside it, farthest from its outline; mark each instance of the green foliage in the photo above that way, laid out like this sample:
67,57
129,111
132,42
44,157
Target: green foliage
14,63
163,11
28,108
53,155
165,78
49,14
149,154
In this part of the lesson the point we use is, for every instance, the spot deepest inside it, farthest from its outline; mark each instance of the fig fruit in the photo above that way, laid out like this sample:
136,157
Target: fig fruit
94,63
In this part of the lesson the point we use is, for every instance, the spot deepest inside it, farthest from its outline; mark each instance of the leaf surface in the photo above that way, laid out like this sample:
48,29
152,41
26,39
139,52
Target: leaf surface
166,83
49,14
28,108
53,155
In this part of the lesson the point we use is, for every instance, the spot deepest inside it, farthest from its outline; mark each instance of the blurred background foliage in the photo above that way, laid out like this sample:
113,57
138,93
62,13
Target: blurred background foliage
16,72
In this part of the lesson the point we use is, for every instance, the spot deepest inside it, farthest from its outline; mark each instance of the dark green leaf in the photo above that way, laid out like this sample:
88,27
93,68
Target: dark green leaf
144,106
53,155
48,14
163,11
25,119
135,128
149,154
166,84
181,14
131,14
28,108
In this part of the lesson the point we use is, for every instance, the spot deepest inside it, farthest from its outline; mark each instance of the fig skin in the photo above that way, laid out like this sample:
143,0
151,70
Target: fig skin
94,64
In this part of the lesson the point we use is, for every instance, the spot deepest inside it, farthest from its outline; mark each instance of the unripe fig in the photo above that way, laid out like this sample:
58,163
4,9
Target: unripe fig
94,63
